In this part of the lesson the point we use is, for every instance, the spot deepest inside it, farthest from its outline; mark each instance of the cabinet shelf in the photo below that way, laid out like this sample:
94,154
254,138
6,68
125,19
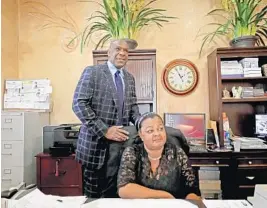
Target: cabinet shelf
245,100
243,78
241,112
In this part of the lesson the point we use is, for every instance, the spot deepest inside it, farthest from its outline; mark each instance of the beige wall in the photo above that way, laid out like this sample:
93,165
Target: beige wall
42,53
9,40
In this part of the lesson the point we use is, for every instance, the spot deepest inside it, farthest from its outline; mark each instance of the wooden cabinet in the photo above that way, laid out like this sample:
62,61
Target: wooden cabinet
142,65
239,171
241,112
59,175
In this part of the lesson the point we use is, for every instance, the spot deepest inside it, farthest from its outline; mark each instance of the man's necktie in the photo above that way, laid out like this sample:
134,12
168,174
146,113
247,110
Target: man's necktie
119,86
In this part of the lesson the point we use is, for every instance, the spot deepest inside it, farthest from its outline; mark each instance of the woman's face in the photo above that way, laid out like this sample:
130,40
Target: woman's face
153,133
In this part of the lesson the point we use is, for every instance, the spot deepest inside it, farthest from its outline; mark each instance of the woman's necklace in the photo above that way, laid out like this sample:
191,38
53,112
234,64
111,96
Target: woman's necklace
151,158
154,158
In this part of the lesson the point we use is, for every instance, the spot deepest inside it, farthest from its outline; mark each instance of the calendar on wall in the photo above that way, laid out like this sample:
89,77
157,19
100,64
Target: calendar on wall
28,94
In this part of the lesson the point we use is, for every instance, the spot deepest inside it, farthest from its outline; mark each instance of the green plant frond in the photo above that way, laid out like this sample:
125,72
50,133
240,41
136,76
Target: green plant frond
102,41
261,15
206,39
118,19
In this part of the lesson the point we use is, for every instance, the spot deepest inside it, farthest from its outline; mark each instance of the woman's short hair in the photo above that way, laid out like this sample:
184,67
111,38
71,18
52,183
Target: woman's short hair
145,116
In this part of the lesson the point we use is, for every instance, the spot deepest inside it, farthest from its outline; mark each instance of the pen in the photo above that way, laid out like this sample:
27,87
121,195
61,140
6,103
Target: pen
245,204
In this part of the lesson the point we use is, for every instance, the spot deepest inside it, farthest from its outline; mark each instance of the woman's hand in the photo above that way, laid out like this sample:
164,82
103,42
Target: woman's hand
166,195
193,197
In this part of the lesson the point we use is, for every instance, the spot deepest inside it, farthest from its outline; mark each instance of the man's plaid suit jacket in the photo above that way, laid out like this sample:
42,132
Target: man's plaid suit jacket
95,103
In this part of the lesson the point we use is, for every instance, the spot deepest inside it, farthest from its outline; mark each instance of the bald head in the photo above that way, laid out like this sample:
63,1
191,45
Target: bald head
118,53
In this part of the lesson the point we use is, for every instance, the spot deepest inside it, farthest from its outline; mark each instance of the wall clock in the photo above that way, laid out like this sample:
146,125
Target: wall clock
180,76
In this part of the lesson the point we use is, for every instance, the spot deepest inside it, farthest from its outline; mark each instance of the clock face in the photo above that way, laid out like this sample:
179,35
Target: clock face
180,77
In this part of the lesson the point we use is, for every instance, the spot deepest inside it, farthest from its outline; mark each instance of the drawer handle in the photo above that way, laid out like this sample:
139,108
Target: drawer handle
57,171
250,177
9,129
217,162
3,179
7,154
249,162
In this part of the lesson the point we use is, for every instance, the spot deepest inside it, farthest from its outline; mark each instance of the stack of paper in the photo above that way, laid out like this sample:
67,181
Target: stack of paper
227,204
37,199
134,203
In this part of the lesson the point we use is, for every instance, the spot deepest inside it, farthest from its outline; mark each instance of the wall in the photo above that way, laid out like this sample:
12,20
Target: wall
45,27
9,40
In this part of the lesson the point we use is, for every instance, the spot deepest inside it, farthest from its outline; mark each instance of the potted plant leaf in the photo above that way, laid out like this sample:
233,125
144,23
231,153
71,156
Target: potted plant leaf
121,19
243,22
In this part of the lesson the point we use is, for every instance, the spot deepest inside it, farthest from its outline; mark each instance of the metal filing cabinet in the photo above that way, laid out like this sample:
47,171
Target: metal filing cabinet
21,135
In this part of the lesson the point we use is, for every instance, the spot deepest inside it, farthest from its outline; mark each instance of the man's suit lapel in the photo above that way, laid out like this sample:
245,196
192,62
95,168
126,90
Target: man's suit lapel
126,80
111,84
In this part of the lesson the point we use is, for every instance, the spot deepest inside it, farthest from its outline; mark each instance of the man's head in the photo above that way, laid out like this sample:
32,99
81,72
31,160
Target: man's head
118,53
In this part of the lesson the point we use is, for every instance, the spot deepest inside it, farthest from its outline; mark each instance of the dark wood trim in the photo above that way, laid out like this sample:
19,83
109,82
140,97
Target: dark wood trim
242,78
245,100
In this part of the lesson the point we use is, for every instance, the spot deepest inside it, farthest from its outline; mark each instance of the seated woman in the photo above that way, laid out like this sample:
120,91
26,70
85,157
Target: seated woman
155,168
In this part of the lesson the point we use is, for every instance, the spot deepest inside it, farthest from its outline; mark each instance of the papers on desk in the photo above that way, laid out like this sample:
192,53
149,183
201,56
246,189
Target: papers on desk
37,199
226,203
134,203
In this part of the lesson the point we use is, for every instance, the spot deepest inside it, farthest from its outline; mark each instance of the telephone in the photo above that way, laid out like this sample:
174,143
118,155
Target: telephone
18,191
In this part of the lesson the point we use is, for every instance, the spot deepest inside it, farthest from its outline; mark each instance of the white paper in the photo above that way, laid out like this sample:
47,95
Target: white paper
226,203
135,203
36,199
28,94
10,84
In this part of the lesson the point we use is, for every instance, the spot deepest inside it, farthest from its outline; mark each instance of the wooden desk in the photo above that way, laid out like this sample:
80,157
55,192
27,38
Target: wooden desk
239,171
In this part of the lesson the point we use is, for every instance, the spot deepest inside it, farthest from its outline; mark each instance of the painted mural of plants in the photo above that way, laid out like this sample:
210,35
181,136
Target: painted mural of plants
50,20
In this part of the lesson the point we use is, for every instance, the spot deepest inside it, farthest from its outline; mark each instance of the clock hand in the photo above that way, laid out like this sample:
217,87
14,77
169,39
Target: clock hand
179,75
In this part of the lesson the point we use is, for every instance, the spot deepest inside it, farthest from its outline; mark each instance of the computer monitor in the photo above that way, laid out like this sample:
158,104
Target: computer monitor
192,125
261,125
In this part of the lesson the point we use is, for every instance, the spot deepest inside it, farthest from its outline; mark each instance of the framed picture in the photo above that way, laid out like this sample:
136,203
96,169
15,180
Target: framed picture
192,125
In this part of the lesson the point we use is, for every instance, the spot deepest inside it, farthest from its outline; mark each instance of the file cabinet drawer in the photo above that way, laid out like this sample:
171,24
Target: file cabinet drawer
11,177
12,127
12,153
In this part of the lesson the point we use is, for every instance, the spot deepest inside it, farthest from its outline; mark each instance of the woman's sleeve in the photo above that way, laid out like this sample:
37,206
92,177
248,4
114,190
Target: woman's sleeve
189,181
127,170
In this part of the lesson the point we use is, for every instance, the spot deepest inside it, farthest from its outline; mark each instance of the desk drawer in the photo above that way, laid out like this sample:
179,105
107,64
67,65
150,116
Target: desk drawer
250,177
252,163
59,172
210,162
12,127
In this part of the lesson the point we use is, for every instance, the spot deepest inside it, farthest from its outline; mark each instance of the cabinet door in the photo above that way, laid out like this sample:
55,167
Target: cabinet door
142,70
59,172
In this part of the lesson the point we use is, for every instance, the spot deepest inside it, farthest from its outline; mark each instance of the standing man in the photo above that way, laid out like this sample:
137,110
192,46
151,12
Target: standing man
104,101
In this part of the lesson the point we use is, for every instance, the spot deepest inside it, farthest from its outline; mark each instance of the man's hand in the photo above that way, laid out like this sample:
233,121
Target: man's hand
116,133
